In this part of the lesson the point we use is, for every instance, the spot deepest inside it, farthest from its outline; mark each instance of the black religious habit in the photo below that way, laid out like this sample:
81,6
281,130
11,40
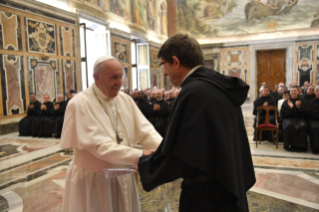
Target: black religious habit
206,144
25,124
39,122
294,126
313,117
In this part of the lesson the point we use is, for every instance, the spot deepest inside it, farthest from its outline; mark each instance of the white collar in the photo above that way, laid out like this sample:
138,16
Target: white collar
191,71
99,93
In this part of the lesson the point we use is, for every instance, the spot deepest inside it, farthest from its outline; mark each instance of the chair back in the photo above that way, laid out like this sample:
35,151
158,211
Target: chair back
267,108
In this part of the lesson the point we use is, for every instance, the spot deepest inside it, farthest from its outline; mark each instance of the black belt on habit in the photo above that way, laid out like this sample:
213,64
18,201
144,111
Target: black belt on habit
195,180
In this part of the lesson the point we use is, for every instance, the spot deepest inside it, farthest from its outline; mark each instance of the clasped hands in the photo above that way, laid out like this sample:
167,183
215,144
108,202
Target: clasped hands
146,153
156,107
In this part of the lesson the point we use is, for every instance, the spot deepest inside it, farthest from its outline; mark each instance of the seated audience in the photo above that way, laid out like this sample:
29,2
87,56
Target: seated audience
278,93
307,97
160,113
144,105
59,110
265,100
47,111
313,117
294,114
34,110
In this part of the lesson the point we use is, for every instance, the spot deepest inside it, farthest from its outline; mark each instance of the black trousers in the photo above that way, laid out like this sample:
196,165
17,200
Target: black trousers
206,197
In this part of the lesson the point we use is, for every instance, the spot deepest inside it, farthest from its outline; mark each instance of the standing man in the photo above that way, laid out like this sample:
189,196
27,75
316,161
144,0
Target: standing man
102,125
206,144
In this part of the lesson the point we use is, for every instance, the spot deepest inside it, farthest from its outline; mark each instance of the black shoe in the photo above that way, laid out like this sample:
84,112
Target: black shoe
291,150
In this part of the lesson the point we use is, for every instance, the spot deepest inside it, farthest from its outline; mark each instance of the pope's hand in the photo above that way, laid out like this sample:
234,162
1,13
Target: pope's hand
148,152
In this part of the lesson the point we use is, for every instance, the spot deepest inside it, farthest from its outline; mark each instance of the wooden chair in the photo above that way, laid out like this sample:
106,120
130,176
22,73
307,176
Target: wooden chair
267,126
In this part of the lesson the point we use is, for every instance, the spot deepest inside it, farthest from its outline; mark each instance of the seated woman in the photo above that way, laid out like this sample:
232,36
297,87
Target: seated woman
294,114
264,100
313,117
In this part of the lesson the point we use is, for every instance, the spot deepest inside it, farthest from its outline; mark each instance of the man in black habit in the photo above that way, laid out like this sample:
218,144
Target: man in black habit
47,111
160,113
34,110
307,97
59,110
206,142
144,105
278,93
313,117
265,100
294,114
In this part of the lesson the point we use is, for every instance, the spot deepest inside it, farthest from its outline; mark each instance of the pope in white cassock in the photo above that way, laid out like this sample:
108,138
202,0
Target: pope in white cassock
103,125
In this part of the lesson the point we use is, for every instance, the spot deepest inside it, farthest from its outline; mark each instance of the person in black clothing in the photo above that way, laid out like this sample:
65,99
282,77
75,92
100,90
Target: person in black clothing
313,120
144,105
294,115
214,162
34,110
307,97
59,110
265,100
160,113
153,98
171,98
47,111
278,93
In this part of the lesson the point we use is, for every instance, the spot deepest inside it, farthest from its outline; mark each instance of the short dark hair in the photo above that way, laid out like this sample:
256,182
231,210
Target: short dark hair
185,48
295,86
266,87
32,94
286,92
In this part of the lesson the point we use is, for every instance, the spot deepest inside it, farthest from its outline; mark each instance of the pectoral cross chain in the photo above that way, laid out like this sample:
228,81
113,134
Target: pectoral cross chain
118,139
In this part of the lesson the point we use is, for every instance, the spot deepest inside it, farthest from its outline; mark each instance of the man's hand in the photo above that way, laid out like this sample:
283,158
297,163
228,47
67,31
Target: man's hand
291,105
298,104
156,107
56,107
148,152
265,103
31,107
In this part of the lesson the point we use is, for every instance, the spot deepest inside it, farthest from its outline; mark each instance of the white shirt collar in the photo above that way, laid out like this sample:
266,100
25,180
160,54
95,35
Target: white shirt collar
99,93
191,71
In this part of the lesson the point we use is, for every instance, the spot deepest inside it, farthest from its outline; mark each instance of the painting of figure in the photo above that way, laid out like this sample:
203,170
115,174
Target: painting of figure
120,52
138,12
163,20
151,14
117,7
207,18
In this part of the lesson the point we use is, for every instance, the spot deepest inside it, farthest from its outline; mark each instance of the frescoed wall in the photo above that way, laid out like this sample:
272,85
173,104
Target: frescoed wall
121,49
306,62
155,71
41,60
209,18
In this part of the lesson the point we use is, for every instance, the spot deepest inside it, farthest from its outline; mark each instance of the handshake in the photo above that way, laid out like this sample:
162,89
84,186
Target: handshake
148,152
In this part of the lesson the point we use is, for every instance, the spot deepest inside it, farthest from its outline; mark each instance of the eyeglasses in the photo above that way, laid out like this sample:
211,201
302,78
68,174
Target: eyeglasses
161,64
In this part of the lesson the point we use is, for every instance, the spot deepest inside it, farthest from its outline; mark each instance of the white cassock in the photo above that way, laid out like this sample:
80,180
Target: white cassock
88,129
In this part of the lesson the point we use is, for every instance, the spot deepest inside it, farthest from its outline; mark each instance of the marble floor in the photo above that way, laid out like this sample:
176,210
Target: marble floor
32,177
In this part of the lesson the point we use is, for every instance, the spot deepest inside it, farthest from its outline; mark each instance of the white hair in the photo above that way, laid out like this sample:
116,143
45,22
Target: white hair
316,88
59,95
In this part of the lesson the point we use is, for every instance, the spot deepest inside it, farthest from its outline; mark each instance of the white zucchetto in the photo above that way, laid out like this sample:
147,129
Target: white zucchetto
102,59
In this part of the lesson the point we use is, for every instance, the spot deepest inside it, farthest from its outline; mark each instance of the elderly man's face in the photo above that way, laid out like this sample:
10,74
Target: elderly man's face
46,98
140,95
33,97
60,98
311,90
317,93
154,95
149,93
294,93
266,92
109,78
135,94
68,96
159,95
171,94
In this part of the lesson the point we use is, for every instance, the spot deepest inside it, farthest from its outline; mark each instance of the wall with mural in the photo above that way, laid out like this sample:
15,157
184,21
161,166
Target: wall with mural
37,55
307,62
139,15
215,18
